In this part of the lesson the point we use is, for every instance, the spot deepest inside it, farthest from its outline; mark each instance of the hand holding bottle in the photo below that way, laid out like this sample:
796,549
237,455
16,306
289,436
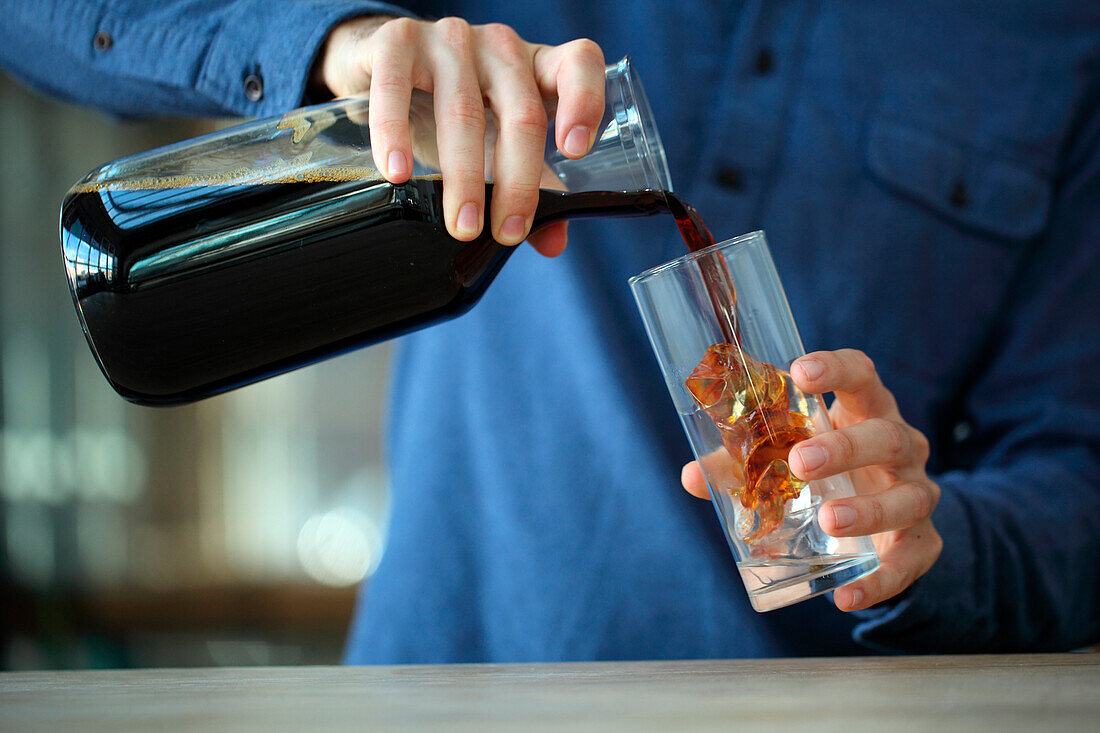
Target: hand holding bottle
469,69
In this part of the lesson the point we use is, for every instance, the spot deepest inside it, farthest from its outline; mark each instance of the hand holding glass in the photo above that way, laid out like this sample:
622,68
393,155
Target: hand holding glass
724,335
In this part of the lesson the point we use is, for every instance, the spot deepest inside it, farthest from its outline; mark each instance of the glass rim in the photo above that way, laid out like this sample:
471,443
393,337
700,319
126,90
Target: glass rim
692,256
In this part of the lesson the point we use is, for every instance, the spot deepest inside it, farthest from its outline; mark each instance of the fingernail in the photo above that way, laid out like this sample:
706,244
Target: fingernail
467,219
512,228
811,368
396,163
855,597
843,516
812,456
576,142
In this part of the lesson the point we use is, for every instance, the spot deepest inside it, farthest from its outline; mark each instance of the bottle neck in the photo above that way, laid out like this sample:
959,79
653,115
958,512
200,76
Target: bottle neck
556,205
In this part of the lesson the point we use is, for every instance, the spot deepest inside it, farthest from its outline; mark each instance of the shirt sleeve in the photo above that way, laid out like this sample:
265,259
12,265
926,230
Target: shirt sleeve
1020,567
172,57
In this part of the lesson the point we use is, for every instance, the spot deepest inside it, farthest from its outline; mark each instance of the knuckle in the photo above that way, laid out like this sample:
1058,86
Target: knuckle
876,512
501,36
865,373
467,111
452,25
862,361
926,501
388,127
892,582
589,101
937,545
455,31
586,51
921,447
856,367
844,446
527,117
518,195
895,437
466,177
399,31
507,46
388,86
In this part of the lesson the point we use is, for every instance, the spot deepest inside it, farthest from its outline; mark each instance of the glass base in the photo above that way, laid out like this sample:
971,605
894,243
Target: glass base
776,584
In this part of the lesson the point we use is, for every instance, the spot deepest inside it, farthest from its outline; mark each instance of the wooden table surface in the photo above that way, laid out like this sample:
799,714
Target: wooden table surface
1047,692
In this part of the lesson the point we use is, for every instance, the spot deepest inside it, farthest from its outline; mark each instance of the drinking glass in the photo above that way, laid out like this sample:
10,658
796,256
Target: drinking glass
745,413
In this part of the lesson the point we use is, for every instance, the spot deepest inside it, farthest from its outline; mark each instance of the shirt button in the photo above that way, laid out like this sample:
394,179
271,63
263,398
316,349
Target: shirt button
254,87
959,197
764,62
102,41
730,178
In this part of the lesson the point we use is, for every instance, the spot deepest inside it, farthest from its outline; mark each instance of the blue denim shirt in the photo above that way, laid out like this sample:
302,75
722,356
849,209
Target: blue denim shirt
929,179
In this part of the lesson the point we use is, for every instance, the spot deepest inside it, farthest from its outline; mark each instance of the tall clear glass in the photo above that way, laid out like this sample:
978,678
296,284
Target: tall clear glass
720,325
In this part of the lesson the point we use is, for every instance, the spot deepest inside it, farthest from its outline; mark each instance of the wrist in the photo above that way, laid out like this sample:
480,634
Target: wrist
330,74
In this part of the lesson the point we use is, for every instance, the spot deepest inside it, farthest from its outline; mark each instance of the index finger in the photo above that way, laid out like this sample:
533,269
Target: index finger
852,376
391,88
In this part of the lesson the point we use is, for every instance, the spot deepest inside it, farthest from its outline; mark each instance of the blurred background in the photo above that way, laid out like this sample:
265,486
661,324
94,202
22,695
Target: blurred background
231,532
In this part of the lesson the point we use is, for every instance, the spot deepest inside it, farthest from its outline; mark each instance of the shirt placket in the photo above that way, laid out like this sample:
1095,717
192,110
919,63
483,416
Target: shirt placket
743,145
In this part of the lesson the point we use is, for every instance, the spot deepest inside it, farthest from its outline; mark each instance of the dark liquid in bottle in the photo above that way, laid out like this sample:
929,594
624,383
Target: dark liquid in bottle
188,291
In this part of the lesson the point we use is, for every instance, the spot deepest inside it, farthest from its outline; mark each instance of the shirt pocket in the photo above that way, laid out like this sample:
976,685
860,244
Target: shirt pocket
972,189
947,226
